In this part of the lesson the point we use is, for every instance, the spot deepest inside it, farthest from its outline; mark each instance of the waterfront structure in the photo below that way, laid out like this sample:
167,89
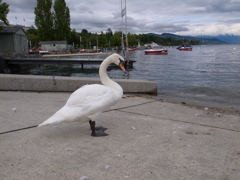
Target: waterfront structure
14,41
54,45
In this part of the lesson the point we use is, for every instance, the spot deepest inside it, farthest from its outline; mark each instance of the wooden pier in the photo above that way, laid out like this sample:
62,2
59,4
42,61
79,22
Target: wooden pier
74,54
28,61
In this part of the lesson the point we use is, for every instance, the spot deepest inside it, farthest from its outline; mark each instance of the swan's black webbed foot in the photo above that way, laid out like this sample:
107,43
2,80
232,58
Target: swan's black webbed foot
97,131
100,128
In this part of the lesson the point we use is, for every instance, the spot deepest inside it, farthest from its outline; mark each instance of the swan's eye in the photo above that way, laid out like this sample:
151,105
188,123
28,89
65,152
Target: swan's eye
121,65
121,61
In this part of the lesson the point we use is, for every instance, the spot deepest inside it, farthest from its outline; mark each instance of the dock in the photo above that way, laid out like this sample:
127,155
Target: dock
28,61
75,54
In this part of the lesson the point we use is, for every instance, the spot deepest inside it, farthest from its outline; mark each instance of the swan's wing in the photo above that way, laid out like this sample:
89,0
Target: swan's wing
83,103
65,114
93,98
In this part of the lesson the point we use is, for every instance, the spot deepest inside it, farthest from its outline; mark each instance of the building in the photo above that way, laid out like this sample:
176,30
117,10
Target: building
53,45
13,42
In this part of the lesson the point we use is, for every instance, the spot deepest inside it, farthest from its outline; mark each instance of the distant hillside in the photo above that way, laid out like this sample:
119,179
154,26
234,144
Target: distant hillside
204,40
231,39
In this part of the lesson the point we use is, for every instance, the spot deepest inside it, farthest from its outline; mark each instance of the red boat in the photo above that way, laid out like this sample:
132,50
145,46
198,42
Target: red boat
185,47
156,49
134,49
38,50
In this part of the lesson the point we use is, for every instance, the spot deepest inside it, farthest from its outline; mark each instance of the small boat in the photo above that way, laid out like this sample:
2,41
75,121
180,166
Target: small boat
132,49
185,47
156,49
38,51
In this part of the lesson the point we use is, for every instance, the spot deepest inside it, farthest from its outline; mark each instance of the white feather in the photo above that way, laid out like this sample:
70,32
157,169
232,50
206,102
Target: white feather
90,99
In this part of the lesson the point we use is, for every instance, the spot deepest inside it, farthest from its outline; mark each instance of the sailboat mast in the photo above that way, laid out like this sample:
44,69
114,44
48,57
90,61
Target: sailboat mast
122,28
124,25
126,28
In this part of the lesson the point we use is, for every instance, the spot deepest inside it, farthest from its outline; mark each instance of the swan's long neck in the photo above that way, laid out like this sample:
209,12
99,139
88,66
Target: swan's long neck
106,80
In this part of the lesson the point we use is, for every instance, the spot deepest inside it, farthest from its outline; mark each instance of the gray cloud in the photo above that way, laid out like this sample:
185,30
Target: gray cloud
223,6
189,17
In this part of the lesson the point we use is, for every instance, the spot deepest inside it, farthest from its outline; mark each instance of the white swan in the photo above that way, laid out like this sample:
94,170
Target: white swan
91,99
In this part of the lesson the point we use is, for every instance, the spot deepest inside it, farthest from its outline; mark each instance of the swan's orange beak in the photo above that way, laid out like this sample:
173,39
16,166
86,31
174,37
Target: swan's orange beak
121,65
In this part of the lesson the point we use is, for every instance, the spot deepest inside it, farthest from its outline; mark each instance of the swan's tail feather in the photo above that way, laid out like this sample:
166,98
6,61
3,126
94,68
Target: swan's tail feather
56,118
47,122
52,120
43,124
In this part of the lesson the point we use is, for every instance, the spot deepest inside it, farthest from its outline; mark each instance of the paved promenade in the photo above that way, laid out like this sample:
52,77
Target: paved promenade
148,139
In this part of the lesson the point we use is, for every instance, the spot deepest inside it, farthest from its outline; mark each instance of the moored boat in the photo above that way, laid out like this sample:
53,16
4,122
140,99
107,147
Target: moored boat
184,47
38,51
132,49
156,49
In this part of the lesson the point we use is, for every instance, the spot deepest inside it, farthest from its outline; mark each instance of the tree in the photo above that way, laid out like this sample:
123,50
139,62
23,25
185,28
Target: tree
75,37
32,36
116,39
3,12
132,39
85,37
61,20
109,34
144,38
84,31
102,41
44,20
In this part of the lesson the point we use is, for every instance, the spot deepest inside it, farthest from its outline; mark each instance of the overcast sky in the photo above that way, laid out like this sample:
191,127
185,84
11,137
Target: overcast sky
188,17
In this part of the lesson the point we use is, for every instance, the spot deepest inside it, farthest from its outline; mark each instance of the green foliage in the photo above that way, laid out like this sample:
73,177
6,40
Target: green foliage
84,31
4,10
116,39
102,40
61,14
33,36
44,20
74,38
109,34
110,39
52,25
166,41
132,40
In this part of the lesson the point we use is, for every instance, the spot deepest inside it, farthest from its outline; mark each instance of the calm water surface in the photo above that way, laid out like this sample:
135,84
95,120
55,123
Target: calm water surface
207,74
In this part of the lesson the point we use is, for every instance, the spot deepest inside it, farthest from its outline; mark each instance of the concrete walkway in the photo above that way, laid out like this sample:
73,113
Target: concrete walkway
148,139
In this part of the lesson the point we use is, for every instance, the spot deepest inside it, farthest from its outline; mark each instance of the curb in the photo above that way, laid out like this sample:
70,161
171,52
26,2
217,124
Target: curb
9,82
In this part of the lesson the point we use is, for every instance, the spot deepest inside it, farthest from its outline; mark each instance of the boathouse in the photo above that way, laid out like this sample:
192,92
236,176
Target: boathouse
13,41
53,45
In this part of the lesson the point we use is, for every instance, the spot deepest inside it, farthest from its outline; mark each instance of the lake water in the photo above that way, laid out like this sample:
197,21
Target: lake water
208,74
